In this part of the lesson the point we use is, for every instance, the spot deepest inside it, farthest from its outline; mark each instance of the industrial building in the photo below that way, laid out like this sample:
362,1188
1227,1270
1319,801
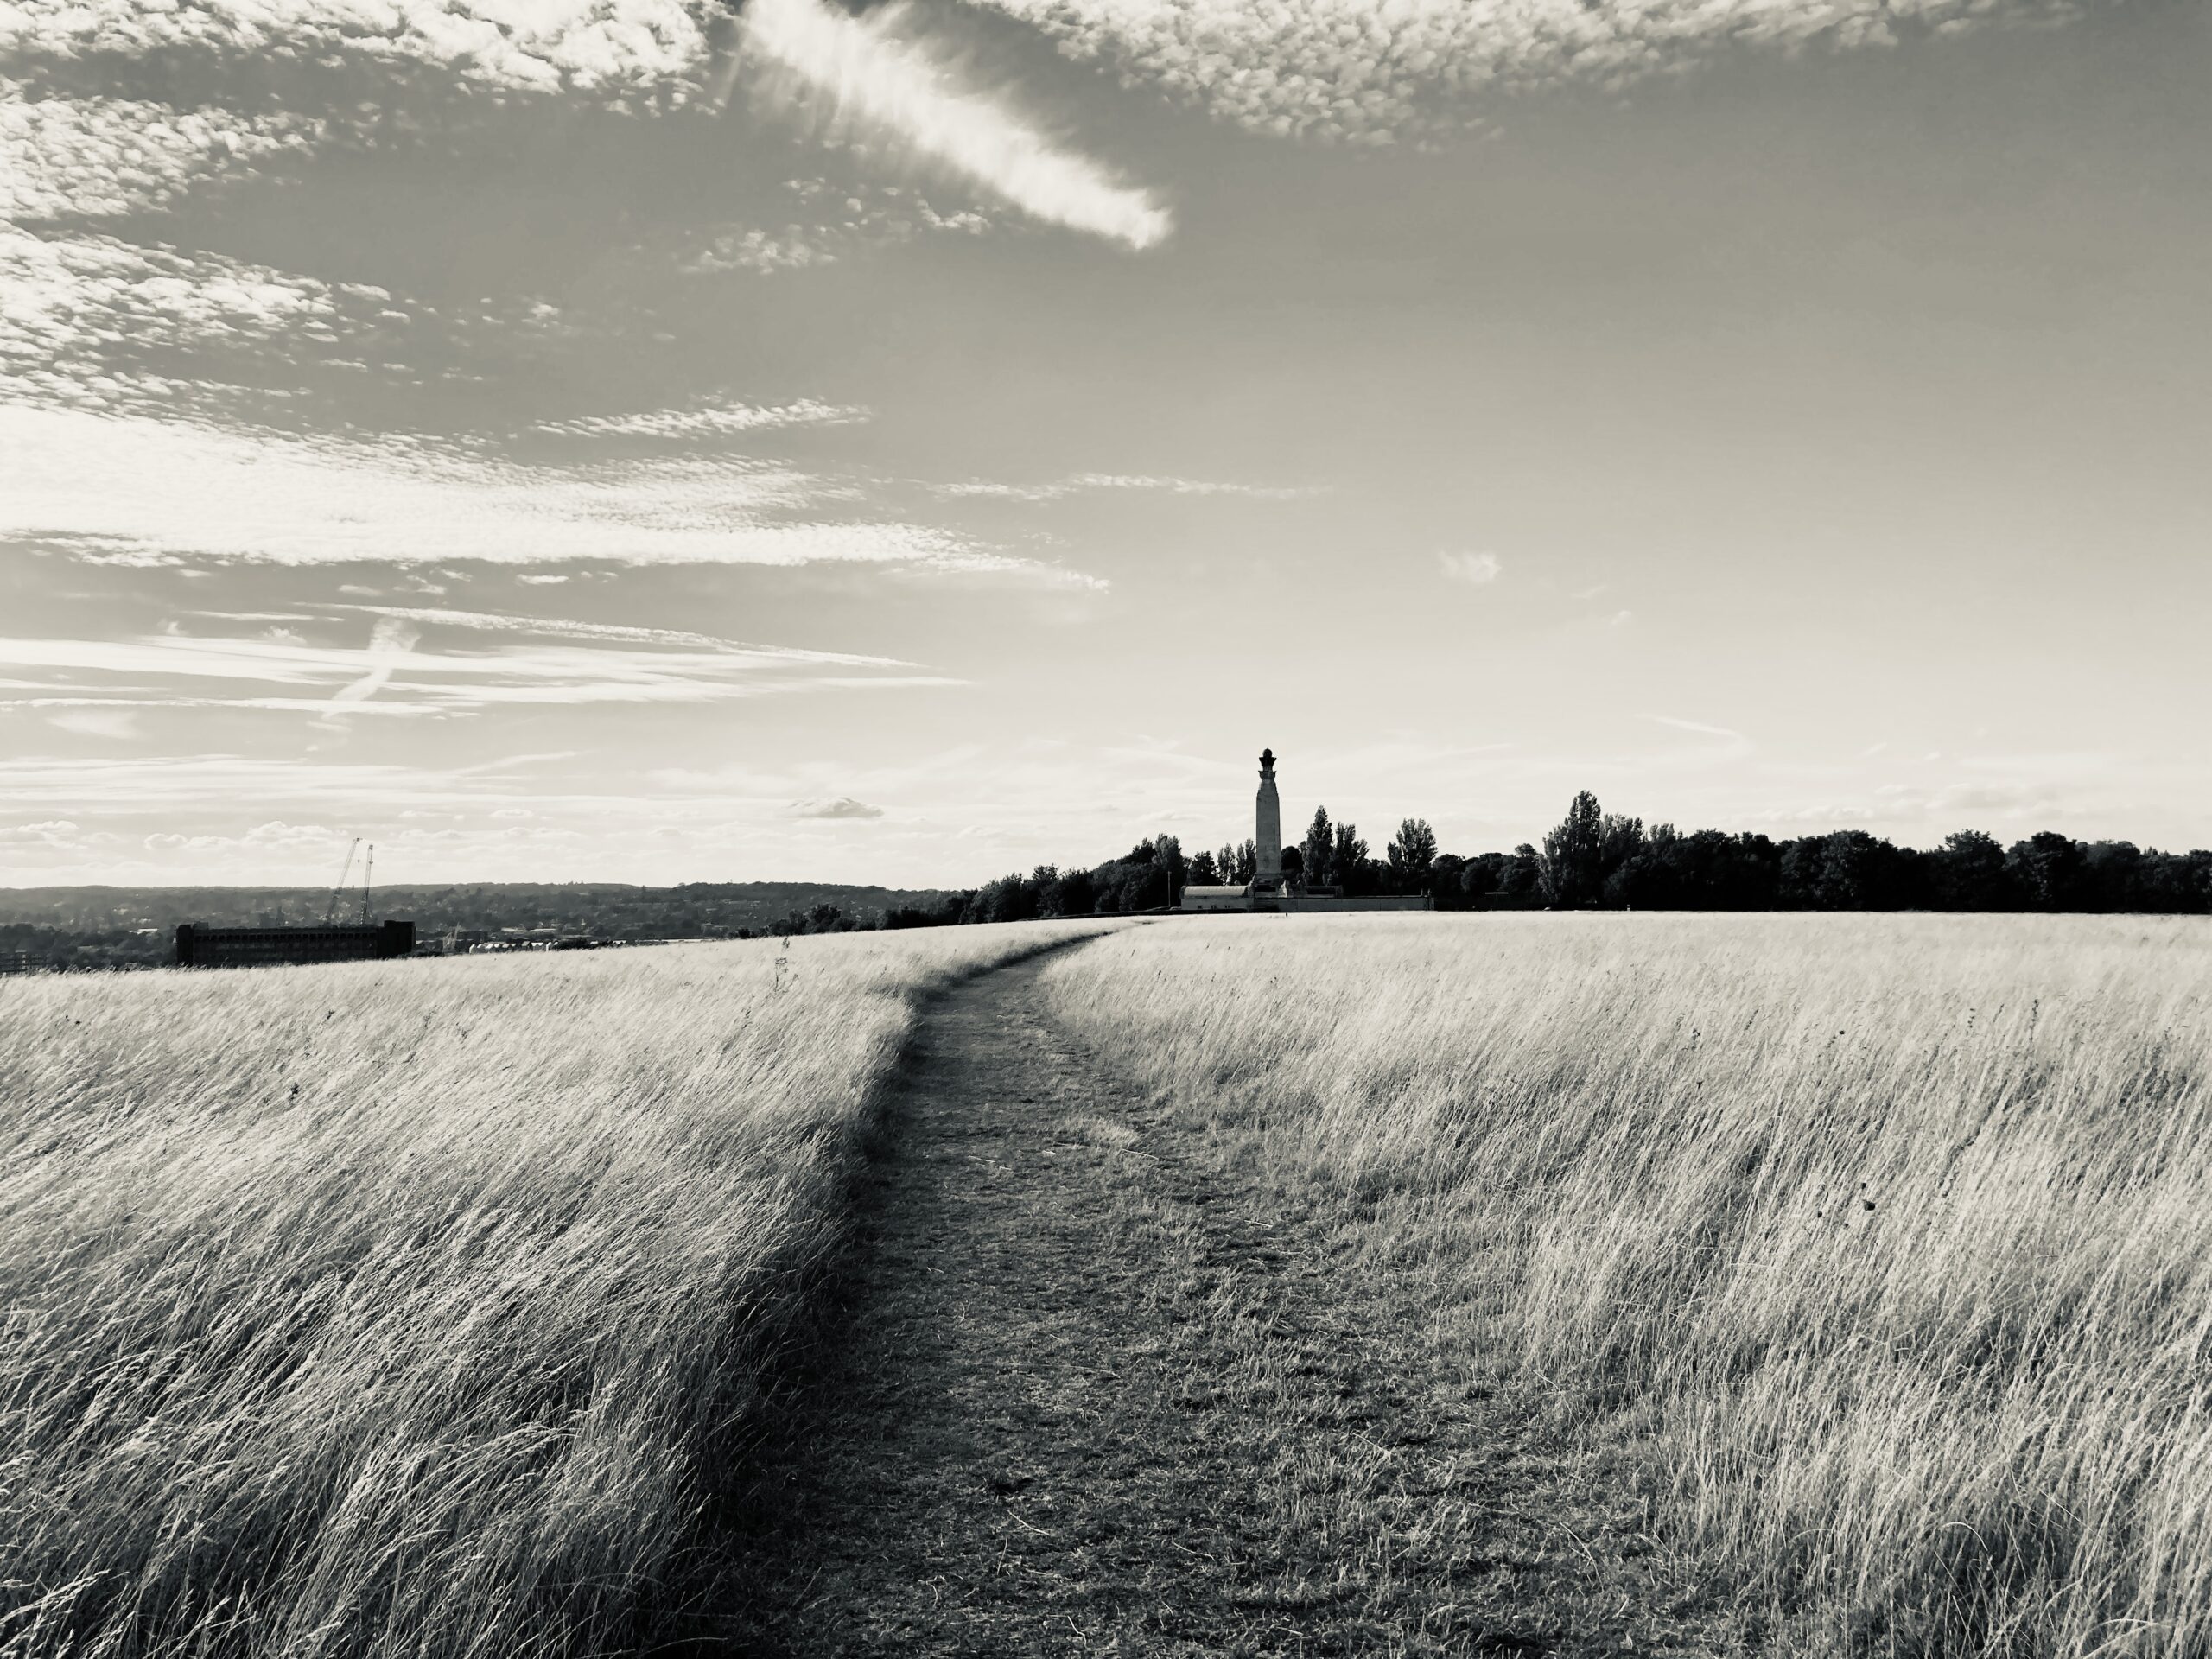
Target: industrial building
201,946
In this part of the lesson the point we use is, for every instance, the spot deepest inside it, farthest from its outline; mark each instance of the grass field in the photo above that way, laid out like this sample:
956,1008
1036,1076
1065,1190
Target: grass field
424,1309
1890,1238
406,1308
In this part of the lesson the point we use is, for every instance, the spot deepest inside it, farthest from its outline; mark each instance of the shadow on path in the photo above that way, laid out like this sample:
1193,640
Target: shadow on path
1087,1393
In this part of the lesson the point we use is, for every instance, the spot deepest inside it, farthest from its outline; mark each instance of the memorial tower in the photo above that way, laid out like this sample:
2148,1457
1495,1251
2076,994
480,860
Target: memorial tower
1266,830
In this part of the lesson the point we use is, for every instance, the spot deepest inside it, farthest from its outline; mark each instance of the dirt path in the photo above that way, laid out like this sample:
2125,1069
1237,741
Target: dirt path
1090,1394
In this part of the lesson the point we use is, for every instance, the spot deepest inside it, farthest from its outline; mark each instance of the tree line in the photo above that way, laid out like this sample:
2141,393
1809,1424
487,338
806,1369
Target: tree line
1593,859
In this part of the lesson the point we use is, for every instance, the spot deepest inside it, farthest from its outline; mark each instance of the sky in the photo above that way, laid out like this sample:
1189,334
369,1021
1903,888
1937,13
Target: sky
625,440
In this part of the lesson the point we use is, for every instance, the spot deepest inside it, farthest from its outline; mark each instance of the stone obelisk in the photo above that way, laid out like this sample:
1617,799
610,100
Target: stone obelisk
1266,830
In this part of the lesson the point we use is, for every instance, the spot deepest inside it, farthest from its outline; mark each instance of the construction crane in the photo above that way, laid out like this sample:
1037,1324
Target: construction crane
368,875
330,911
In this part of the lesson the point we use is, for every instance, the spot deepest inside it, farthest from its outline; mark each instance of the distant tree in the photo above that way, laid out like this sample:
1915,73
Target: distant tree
1346,856
1224,863
1411,854
1140,879
1854,872
1248,862
1444,881
1571,869
1009,899
944,913
1050,884
2116,875
1968,873
2193,875
1523,875
1649,872
1319,847
2049,869
2169,884
1073,894
1619,839
1148,889
1482,878
1167,854
1204,872
1799,885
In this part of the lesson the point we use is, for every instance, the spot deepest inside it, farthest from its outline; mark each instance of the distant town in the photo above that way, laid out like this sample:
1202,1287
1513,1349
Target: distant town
61,929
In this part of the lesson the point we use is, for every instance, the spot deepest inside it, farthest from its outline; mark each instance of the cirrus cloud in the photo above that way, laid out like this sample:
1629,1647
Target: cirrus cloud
876,76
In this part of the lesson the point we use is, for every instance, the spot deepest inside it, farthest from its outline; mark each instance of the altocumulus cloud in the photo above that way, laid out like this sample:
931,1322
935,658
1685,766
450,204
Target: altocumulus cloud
545,46
1364,72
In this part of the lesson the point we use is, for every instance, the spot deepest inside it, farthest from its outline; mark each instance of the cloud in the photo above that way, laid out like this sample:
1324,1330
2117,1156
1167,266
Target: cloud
494,622
542,45
101,157
1367,72
171,488
1698,726
1476,569
706,422
869,75
1082,482
395,676
48,832
79,313
116,723
838,220
389,642
843,807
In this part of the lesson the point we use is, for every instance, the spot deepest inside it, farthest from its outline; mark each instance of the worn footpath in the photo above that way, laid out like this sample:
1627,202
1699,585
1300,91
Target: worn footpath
1087,1390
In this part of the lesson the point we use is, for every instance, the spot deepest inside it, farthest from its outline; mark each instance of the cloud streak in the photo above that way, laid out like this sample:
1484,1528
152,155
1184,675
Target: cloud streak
394,674
1085,483
706,422
495,622
170,489
870,76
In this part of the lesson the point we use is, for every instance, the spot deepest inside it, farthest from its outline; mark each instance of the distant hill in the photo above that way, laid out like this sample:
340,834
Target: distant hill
57,926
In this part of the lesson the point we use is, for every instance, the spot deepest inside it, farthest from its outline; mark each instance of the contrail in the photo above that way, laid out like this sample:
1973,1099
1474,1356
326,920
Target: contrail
872,76
390,641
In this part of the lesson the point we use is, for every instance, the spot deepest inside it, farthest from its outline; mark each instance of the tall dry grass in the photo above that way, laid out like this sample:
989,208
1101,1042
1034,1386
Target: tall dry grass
1895,1230
407,1308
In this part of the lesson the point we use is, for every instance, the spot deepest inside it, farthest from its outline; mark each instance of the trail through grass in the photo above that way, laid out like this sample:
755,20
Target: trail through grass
1096,1394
